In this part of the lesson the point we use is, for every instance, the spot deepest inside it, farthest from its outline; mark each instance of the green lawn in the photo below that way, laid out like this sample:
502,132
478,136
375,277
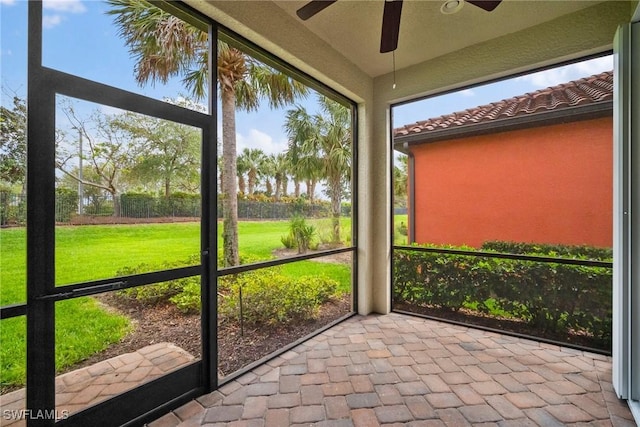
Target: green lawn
398,221
97,252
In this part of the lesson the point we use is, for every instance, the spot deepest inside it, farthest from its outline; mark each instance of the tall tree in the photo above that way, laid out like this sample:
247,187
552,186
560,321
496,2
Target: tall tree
325,136
400,180
108,150
13,143
242,167
253,159
281,167
305,158
166,46
268,171
166,151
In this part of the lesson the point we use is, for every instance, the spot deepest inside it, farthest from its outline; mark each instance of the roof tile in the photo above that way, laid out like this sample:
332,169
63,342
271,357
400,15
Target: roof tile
588,90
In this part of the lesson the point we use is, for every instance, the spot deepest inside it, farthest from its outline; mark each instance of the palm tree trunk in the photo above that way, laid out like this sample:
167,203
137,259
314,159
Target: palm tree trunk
278,188
269,187
335,191
242,184
296,188
230,197
252,180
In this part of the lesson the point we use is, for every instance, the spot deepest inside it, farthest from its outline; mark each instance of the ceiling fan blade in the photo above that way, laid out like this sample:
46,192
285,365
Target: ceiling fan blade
390,25
485,4
313,7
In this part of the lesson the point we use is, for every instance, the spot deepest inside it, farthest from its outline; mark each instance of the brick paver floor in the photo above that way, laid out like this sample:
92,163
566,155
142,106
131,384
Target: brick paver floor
398,370
84,387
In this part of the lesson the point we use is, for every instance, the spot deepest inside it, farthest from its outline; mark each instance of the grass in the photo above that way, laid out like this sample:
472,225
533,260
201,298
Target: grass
74,340
96,252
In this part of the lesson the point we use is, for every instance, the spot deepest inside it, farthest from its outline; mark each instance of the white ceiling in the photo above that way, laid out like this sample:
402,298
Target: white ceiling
352,27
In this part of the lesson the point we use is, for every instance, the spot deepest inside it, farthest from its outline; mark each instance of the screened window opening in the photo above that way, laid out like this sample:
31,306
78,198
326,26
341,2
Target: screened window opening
286,240
502,204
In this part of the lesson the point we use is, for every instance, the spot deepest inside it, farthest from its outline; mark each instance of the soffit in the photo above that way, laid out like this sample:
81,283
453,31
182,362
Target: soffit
353,28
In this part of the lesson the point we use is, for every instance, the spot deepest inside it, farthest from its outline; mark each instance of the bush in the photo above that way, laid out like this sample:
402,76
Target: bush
554,298
138,205
567,251
403,229
300,235
188,299
66,204
288,241
302,232
178,204
12,208
159,292
268,297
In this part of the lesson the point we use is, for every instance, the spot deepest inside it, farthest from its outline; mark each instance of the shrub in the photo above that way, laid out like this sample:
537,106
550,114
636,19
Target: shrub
554,298
570,251
269,297
66,204
302,233
138,205
288,241
159,292
188,299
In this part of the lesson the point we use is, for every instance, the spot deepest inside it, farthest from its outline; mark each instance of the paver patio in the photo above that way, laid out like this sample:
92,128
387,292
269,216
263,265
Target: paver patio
392,370
397,370
84,387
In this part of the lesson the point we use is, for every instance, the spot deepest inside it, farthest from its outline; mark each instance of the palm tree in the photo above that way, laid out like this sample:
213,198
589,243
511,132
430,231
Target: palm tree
253,158
400,180
306,161
165,46
242,167
268,171
328,135
281,167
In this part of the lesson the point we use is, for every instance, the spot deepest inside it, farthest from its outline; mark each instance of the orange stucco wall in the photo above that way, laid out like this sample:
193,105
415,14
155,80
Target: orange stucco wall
549,184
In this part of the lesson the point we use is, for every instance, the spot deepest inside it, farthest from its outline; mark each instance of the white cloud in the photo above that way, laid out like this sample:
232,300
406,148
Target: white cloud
259,139
467,92
8,2
50,21
569,72
71,6
597,65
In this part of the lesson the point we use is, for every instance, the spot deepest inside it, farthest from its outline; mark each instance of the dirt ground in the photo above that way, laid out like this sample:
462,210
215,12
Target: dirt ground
164,323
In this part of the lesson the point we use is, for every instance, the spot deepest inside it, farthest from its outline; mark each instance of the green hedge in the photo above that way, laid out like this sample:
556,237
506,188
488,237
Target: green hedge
554,298
66,204
563,251
143,205
268,296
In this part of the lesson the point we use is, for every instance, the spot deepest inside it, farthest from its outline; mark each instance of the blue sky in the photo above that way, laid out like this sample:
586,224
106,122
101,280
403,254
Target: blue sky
485,94
80,38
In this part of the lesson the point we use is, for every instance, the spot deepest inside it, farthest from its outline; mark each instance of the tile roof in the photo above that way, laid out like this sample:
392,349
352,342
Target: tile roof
586,91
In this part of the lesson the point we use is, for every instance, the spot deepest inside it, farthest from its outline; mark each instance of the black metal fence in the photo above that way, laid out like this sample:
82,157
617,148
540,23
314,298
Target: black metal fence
144,206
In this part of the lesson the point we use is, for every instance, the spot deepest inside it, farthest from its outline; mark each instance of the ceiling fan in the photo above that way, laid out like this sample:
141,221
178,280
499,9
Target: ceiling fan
390,17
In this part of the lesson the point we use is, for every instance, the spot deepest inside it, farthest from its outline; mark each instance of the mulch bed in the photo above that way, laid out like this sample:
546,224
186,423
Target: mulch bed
165,323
